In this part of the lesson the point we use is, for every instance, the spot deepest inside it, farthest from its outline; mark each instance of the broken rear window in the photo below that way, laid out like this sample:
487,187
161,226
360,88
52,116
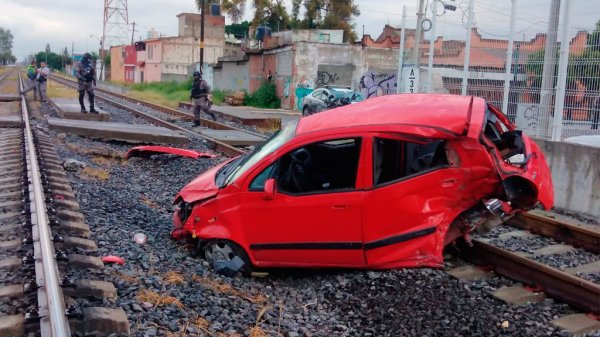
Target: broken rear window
396,159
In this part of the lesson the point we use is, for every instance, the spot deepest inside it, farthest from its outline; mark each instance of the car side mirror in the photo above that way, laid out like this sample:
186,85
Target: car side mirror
269,190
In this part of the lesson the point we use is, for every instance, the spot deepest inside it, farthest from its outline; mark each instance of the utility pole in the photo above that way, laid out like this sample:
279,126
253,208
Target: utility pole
548,70
509,56
417,48
465,79
562,75
401,51
202,37
132,32
432,38
72,56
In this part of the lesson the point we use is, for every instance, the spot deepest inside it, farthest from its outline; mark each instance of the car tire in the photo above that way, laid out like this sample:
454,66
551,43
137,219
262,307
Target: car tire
305,111
216,252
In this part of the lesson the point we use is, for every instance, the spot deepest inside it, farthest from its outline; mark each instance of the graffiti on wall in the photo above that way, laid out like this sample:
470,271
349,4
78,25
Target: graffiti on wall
375,84
303,89
326,78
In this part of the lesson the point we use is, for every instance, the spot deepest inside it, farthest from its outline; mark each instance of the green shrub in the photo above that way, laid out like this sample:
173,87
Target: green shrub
264,97
164,87
218,96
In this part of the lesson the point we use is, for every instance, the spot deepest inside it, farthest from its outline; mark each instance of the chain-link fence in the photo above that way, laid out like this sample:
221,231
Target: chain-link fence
526,82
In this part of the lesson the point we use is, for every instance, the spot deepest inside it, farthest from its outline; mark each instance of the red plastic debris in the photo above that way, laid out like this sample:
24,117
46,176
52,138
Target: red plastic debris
594,317
59,196
147,151
113,259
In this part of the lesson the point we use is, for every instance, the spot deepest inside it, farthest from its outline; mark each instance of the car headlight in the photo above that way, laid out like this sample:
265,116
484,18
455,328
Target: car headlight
184,210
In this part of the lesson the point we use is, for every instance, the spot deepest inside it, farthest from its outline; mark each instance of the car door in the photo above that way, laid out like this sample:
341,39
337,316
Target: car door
322,100
312,100
406,211
315,225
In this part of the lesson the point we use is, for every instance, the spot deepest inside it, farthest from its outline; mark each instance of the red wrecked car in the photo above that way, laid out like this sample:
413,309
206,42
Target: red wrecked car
384,183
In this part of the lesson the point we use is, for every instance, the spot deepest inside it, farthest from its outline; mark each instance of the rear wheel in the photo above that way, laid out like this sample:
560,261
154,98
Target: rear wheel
226,257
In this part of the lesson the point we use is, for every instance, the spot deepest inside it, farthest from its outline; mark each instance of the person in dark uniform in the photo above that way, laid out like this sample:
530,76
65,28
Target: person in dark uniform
86,81
200,92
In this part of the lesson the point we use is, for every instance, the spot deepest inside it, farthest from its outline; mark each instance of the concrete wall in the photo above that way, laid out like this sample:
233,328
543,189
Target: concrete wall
117,70
576,176
189,25
232,76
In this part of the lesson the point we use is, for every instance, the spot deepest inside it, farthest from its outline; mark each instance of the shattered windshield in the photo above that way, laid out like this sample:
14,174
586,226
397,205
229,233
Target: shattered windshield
268,147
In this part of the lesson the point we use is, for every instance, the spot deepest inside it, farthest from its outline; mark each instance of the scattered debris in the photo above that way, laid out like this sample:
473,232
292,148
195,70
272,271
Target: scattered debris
229,267
140,238
147,151
113,259
173,277
73,165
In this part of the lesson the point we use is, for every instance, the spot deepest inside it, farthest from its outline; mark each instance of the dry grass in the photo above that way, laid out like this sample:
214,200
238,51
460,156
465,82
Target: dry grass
98,152
173,277
153,97
227,289
126,278
107,161
149,202
158,300
94,173
57,90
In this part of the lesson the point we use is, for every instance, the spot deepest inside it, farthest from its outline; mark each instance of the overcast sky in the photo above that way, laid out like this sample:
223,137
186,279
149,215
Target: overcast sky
63,22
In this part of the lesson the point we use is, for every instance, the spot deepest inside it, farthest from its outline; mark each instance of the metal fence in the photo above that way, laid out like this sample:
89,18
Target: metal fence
520,70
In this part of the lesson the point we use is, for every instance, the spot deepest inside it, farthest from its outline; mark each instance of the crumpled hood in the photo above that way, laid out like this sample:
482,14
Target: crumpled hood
202,187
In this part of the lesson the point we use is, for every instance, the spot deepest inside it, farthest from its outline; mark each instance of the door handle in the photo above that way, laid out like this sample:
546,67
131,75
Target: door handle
448,182
340,206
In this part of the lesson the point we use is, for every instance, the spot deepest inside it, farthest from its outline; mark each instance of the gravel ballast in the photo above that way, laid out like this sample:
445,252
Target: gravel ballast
167,291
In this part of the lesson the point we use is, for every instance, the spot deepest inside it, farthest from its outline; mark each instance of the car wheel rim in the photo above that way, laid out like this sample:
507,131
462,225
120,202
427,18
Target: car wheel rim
218,251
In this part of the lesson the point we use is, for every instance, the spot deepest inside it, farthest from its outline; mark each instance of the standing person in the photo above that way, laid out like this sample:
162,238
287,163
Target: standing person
42,78
31,83
200,92
86,81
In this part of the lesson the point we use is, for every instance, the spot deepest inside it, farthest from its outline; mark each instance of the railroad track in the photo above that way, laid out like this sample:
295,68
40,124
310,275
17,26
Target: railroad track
565,286
165,114
40,231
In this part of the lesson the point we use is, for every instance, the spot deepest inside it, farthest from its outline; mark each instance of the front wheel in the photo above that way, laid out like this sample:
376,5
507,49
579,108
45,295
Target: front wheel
226,257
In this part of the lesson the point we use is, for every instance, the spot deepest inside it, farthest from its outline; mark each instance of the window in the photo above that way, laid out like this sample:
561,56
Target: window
318,167
395,159
258,184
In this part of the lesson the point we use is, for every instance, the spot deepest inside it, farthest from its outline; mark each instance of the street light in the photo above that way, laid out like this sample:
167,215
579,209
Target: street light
101,55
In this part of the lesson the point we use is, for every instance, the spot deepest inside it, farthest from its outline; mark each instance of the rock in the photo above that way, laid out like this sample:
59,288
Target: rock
61,136
73,165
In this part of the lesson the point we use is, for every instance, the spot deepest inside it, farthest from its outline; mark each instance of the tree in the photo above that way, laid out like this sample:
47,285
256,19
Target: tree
6,44
48,48
339,16
238,29
53,60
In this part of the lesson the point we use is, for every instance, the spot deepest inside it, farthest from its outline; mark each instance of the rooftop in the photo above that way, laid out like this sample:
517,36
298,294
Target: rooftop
429,115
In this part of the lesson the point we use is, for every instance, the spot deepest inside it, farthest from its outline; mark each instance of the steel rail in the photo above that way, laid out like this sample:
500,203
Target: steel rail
169,111
219,146
578,292
577,236
59,325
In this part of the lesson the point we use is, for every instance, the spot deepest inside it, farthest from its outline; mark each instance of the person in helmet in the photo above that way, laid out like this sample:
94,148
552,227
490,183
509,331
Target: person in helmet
86,81
200,92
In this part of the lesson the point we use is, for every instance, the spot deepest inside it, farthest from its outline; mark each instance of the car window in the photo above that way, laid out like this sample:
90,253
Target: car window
317,94
258,184
320,167
395,159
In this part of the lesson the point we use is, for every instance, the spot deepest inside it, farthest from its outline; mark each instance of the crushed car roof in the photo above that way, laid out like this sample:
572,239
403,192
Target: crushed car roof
432,115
